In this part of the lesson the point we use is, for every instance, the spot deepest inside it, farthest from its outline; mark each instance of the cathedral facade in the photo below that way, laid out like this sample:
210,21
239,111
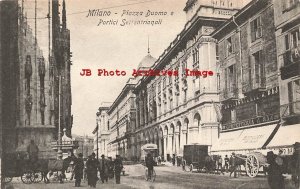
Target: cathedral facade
32,92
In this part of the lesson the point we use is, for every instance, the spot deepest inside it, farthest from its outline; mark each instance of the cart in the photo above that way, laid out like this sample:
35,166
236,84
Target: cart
194,156
254,162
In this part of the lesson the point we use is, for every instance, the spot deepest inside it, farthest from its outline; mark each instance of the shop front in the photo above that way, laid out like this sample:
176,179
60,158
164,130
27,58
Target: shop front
243,141
284,139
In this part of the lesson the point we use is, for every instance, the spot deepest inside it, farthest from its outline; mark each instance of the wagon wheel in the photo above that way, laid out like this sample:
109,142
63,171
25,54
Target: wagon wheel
191,167
252,166
36,177
6,179
26,177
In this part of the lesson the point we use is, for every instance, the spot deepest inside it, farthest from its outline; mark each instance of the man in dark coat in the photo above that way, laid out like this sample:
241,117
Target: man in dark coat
78,170
233,165
226,160
32,150
103,168
149,164
110,168
118,165
275,177
92,169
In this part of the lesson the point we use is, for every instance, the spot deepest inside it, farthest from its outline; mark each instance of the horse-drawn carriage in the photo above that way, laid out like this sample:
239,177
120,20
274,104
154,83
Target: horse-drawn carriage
18,165
196,157
256,161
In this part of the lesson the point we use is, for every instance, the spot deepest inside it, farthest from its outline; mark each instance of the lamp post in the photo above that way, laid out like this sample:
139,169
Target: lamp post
97,140
59,151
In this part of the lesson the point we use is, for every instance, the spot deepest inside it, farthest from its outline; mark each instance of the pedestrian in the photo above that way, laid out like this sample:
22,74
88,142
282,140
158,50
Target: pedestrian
178,161
110,168
233,165
92,169
226,160
72,165
149,164
183,164
275,177
159,160
103,168
32,150
118,166
173,160
220,162
78,170
84,171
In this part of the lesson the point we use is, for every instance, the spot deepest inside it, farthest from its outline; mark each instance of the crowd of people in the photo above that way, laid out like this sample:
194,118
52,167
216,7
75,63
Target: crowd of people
107,168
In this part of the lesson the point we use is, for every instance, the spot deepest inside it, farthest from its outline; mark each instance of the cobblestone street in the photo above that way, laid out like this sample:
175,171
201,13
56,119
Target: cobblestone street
167,177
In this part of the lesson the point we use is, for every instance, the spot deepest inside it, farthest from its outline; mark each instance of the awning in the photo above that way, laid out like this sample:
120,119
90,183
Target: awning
254,138
246,139
226,141
286,136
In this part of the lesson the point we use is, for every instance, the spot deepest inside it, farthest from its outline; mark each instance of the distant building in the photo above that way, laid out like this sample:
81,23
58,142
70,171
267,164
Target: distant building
85,145
122,121
102,130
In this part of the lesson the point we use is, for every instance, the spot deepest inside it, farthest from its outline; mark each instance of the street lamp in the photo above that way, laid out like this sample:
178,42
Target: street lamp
97,140
59,151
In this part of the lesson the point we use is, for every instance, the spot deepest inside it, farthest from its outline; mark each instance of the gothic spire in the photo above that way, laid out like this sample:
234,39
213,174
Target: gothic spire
64,18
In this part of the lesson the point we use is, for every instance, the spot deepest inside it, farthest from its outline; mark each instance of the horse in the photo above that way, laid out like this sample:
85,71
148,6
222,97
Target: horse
209,164
49,166
239,160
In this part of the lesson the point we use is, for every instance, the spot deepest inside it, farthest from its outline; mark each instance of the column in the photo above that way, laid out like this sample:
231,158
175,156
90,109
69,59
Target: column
177,143
182,140
169,148
165,146
159,145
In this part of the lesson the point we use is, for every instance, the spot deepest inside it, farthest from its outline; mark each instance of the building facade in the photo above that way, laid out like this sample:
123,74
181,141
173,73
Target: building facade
171,111
122,115
32,91
178,110
287,23
250,102
84,145
101,132
249,88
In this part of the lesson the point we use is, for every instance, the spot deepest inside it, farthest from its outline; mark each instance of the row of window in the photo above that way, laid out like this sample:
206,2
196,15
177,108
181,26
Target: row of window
255,31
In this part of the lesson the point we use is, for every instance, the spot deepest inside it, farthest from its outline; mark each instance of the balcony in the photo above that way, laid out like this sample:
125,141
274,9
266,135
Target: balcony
291,60
290,110
230,94
255,87
254,121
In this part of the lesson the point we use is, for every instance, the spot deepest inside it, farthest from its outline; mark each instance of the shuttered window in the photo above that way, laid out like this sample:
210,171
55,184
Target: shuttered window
256,29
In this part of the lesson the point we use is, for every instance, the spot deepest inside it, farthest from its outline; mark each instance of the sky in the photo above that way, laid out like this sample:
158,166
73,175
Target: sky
113,47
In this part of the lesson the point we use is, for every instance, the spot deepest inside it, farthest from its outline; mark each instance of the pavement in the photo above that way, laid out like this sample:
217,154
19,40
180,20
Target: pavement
167,177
